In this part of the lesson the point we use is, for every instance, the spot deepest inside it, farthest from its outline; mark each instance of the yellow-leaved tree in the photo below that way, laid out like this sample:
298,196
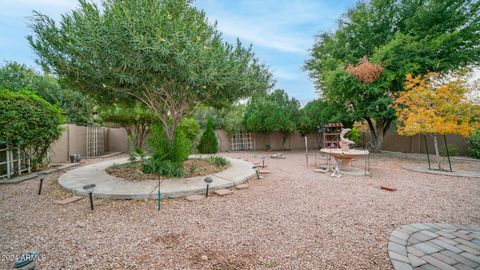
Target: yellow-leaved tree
433,105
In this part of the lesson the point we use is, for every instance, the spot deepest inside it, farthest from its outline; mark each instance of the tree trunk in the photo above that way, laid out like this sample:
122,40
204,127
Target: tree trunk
377,132
268,142
437,154
285,136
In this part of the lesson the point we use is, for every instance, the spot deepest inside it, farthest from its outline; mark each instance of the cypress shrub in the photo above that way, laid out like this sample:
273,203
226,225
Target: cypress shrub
208,142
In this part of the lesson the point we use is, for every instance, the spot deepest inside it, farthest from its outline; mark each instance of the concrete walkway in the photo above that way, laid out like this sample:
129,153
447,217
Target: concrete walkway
435,246
111,187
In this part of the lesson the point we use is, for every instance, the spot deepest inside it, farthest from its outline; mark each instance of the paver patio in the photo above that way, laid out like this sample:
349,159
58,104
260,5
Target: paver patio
435,246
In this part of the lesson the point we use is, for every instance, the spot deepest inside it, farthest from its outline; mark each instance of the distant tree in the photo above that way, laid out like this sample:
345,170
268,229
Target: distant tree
400,37
134,119
428,107
208,142
161,52
233,121
270,113
317,113
77,107
203,113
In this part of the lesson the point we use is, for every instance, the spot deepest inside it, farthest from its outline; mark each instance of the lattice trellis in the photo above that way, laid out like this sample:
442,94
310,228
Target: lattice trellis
13,162
95,141
241,141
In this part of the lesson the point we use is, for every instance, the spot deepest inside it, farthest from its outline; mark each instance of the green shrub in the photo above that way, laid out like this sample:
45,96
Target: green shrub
166,160
208,143
474,141
354,135
162,167
190,127
218,161
181,149
29,122
158,145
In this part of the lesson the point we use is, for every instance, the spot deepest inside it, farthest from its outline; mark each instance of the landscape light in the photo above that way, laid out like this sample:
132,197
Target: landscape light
89,189
208,180
41,177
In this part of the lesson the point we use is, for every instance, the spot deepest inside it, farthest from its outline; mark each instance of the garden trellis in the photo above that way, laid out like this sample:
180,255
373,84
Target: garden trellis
95,141
13,162
241,141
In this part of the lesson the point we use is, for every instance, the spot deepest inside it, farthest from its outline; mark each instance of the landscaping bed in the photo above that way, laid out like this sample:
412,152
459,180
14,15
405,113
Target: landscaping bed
191,168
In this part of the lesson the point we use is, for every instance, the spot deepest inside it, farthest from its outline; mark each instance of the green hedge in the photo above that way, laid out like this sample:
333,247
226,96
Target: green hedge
29,122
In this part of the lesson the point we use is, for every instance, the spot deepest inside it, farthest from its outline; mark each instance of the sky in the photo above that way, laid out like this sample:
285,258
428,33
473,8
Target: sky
280,31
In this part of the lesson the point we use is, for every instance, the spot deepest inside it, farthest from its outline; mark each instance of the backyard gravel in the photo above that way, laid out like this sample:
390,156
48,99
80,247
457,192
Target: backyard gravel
293,218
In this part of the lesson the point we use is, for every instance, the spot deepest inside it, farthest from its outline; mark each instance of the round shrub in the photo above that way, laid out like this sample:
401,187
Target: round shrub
29,122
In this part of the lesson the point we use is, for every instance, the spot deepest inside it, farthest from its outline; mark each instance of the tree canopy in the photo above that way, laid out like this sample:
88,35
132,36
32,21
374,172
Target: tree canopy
77,107
317,113
434,105
272,112
164,53
404,37
135,118
426,108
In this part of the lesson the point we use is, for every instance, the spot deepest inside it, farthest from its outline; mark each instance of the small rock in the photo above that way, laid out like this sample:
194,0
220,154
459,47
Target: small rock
204,258
223,192
241,186
388,188
192,198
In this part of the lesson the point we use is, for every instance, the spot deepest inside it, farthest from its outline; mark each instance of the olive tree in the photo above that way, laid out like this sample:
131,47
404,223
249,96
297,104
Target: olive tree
164,53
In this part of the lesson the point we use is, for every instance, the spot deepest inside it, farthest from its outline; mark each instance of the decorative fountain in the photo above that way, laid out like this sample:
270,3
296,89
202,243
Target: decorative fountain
343,156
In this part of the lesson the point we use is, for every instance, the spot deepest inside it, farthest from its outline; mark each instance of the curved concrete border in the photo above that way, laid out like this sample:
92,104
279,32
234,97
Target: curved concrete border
111,187
435,246
423,169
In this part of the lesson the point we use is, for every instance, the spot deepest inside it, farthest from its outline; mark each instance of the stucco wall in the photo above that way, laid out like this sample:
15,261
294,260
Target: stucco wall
117,140
73,141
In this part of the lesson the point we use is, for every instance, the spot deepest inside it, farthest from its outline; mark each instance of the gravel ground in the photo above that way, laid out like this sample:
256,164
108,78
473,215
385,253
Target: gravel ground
292,219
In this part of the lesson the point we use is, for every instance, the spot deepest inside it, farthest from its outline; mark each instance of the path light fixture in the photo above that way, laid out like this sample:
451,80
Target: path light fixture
41,177
258,175
208,180
159,196
89,189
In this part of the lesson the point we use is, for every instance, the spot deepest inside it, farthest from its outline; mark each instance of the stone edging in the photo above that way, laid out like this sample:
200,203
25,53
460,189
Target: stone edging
30,176
410,246
111,187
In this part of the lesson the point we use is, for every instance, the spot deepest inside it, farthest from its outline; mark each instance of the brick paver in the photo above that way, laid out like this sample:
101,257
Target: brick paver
435,246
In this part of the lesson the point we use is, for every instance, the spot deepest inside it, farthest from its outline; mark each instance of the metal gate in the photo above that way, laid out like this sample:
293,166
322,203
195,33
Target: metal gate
95,141
241,141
